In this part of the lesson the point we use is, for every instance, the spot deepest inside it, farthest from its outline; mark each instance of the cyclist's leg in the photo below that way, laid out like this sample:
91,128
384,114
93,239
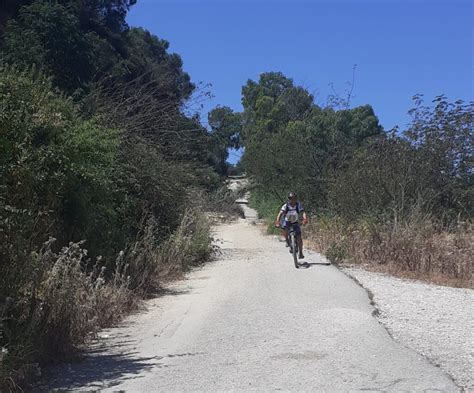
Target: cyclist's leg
285,233
300,241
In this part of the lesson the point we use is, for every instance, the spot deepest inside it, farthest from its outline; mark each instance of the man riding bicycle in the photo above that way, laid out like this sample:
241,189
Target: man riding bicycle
291,211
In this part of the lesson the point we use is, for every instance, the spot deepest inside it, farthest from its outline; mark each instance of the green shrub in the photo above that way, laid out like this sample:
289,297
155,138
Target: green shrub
56,170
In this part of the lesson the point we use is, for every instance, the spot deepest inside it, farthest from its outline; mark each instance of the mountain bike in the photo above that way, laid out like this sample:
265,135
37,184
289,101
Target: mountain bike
292,242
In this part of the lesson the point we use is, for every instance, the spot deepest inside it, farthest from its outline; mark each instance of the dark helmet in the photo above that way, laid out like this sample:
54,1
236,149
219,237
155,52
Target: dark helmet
292,195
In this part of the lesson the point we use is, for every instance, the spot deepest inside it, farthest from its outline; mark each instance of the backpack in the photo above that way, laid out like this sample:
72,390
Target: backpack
298,207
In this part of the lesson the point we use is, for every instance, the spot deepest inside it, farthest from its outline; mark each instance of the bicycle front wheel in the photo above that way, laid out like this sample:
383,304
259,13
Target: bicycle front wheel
294,247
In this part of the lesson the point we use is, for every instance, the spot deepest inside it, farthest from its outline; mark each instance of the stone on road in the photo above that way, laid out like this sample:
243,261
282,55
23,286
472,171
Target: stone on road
251,321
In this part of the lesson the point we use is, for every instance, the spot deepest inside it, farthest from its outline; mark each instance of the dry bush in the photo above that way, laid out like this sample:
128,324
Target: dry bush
223,205
141,259
219,205
189,245
150,263
59,311
65,305
414,249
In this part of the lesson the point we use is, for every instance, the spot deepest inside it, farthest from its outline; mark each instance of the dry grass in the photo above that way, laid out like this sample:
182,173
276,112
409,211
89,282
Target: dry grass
411,250
64,306
190,245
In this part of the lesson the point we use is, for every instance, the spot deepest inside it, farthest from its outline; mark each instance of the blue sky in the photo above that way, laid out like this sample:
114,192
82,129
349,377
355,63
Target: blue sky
401,48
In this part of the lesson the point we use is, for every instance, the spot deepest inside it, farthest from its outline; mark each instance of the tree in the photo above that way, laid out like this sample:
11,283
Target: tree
74,41
444,138
225,127
48,36
290,142
271,103
9,9
270,84
148,58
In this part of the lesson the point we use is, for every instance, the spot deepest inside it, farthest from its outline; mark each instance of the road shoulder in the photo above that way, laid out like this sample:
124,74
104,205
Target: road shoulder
435,321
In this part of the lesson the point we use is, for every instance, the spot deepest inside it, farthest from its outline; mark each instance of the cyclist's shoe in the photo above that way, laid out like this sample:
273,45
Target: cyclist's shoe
301,256
291,250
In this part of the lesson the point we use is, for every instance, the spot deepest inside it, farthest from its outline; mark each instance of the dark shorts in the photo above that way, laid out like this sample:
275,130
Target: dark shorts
287,225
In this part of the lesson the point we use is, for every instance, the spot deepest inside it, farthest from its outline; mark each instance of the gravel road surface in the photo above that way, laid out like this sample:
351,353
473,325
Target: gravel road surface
436,321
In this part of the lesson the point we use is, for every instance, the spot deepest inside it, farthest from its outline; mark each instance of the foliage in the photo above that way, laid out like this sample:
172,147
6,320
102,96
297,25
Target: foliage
444,140
98,151
428,167
226,126
55,171
47,35
344,162
290,143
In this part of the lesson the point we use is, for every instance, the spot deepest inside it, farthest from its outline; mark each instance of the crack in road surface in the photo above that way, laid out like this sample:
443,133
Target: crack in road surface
251,321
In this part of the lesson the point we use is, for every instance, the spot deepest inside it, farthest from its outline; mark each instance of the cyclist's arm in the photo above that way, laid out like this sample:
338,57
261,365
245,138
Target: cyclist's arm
303,213
280,213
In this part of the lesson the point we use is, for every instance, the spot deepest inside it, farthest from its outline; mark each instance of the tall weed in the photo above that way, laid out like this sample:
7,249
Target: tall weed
414,248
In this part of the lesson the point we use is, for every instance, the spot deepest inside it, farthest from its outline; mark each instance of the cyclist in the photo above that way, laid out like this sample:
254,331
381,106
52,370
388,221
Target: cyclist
291,211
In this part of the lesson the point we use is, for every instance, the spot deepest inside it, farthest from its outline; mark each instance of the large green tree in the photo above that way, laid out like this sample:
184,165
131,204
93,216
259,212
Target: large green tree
291,143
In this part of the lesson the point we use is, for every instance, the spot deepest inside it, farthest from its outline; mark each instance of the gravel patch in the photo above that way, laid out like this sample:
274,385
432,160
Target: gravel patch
435,321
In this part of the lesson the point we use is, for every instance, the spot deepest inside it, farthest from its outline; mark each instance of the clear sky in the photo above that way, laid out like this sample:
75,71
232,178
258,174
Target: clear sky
401,47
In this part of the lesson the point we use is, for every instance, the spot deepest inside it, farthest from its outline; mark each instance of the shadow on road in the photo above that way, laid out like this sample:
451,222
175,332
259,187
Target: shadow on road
307,265
99,370
165,291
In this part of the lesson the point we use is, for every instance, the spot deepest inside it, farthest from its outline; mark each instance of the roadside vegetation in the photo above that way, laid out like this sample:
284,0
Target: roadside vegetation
399,201
105,175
